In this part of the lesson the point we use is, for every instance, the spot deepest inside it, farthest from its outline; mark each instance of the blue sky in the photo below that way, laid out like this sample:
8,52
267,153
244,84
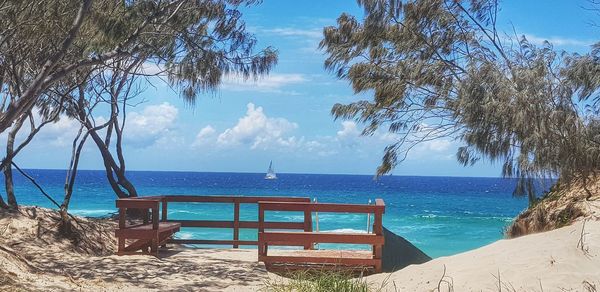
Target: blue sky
285,117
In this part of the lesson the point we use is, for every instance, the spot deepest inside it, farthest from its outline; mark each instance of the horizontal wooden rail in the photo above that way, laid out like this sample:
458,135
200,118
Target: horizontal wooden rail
321,237
215,241
242,224
229,199
236,224
321,207
307,238
138,204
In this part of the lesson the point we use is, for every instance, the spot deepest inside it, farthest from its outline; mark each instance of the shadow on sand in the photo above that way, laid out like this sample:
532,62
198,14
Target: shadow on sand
176,268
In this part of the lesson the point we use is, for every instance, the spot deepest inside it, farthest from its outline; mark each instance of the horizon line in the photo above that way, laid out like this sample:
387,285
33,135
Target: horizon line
293,173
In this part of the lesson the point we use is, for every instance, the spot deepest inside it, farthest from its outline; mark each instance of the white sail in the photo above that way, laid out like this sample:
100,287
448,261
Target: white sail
271,172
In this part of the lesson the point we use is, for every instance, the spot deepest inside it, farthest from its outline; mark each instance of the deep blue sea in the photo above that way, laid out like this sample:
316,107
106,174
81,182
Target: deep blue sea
440,215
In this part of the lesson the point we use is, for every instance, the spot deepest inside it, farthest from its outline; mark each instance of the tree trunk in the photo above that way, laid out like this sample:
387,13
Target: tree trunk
9,186
3,204
115,172
8,177
70,179
116,177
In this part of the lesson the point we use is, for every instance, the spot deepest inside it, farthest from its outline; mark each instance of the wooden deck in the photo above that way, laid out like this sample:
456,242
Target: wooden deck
282,261
307,238
156,229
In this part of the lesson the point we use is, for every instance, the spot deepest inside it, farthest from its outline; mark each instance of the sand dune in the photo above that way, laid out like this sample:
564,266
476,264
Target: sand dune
550,261
566,259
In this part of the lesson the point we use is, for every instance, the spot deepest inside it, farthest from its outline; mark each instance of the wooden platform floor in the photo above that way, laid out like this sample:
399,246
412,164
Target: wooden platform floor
286,268
347,254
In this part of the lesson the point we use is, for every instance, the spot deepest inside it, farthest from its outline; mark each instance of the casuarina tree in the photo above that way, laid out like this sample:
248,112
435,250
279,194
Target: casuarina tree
442,69
49,46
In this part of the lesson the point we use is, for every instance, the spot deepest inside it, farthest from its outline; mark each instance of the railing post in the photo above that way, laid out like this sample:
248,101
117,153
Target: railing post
163,214
262,247
154,245
164,209
236,222
308,225
122,214
145,216
378,230
122,223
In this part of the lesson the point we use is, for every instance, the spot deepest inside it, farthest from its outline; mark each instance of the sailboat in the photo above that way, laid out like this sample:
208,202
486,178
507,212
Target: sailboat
271,172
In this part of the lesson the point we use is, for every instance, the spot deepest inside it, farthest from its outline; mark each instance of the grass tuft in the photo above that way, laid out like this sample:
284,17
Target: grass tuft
318,281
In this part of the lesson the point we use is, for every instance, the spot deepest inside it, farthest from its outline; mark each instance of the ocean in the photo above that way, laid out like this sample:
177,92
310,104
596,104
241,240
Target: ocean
440,215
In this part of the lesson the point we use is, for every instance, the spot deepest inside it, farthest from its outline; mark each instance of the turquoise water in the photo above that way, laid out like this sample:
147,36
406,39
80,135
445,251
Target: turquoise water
440,215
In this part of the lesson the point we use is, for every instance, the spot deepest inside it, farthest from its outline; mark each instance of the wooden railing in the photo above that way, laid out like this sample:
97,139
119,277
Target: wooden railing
307,238
236,224
153,231
146,236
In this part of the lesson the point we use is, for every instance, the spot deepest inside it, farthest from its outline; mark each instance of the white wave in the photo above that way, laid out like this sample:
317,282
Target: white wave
88,212
294,218
182,211
431,216
345,230
184,235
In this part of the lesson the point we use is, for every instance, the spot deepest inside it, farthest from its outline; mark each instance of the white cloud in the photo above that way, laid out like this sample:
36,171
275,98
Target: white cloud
152,125
258,131
149,68
205,135
437,145
388,137
154,122
309,37
315,33
322,148
205,132
558,41
349,134
270,83
60,133
348,130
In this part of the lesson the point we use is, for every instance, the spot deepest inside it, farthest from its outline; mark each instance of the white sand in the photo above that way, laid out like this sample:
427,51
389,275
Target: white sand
32,259
550,261
176,270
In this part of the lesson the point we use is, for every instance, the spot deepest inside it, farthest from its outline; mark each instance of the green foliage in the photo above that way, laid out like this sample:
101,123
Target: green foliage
50,49
441,69
195,43
318,281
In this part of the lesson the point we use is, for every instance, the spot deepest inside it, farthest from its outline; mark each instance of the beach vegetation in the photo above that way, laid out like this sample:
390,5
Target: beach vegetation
437,69
559,207
81,60
318,281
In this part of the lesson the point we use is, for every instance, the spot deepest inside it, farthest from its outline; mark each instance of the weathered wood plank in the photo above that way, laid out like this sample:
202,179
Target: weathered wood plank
138,203
230,199
321,237
242,224
213,241
320,207
322,260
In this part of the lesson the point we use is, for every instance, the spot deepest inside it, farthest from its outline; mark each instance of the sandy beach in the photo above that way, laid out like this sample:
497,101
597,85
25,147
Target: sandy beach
29,260
343,146
566,259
